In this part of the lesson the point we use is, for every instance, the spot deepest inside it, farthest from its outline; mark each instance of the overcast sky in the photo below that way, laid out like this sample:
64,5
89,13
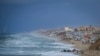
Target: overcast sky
29,15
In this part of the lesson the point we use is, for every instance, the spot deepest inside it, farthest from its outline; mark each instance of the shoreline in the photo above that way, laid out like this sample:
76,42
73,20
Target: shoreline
81,38
78,45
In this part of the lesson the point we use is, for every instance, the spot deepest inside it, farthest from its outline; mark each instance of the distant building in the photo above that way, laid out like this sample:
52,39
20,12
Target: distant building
86,28
68,29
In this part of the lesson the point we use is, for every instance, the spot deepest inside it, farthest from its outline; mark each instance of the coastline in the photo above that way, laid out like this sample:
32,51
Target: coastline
78,45
82,38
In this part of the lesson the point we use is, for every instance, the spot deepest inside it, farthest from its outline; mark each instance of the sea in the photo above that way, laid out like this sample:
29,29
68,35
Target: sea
25,44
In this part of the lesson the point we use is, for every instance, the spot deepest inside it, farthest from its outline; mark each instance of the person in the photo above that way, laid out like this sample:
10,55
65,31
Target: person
87,38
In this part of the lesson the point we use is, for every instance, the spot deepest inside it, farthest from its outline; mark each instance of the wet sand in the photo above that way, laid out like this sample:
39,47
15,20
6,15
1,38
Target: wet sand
83,47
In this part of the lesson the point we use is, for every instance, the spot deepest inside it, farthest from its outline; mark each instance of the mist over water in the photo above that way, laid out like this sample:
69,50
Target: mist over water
31,45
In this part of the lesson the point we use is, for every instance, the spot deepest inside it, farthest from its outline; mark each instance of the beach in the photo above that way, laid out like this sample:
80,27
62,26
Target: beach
84,48
75,38
78,45
48,43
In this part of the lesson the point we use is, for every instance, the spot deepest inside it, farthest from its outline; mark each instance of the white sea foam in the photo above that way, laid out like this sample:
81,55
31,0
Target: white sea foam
50,48
59,43
56,53
61,46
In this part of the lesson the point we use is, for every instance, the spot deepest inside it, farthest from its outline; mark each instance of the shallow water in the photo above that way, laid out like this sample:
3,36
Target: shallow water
31,45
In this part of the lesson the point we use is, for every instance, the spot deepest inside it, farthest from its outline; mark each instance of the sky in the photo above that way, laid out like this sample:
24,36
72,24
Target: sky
28,15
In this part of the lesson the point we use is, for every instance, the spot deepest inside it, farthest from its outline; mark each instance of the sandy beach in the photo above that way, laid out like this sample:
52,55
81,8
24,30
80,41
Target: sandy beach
82,38
82,47
79,45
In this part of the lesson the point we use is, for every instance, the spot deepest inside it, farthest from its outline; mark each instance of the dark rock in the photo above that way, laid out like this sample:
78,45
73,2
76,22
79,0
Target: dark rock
66,50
